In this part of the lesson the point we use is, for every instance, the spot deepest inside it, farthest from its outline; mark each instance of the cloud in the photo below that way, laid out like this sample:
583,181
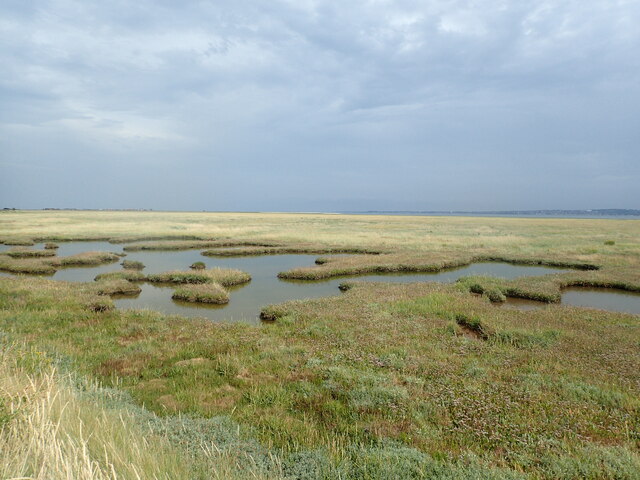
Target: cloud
249,95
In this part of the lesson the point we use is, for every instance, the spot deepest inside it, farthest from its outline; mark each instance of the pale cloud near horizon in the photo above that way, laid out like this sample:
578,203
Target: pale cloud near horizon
312,105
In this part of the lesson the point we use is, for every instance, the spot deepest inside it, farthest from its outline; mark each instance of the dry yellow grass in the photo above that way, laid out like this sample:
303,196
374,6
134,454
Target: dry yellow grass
52,433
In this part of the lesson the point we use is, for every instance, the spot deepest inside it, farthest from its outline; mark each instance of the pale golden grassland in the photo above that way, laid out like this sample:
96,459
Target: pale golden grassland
581,238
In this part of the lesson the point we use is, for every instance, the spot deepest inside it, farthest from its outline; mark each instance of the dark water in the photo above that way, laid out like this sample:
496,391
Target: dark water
265,288
608,299
522,304
602,298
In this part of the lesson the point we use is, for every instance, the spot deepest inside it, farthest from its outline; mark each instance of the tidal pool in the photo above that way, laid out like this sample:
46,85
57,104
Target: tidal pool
610,299
266,288
602,298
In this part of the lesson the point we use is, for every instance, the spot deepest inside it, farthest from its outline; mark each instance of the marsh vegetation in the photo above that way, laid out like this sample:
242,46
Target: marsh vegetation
386,380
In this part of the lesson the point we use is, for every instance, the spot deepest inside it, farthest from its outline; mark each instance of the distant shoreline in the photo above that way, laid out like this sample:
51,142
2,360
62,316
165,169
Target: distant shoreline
612,214
628,214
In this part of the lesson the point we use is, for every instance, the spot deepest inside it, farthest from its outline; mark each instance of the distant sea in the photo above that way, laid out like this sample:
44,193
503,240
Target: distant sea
612,214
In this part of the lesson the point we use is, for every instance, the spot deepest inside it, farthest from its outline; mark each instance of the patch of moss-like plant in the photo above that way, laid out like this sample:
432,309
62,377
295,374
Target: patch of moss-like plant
27,253
26,242
116,287
495,295
226,277
130,275
86,258
198,266
51,246
132,265
202,293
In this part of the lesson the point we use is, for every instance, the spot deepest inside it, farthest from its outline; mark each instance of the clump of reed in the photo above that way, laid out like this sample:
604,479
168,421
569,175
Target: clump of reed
247,251
85,258
196,244
132,265
23,242
115,286
51,246
130,275
169,245
226,277
202,293
198,266
28,253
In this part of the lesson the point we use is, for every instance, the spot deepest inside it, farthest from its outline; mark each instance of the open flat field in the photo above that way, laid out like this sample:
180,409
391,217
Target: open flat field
421,380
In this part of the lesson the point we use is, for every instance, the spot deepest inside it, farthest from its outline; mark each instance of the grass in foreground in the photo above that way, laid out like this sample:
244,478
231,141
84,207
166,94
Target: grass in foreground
56,426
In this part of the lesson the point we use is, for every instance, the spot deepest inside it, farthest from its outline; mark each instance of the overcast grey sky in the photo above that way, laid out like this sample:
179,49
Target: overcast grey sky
309,105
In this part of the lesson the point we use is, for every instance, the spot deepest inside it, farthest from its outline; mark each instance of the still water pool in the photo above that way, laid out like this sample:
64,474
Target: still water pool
266,288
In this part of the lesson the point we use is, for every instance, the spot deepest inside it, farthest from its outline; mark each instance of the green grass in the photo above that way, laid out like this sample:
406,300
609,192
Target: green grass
381,363
202,293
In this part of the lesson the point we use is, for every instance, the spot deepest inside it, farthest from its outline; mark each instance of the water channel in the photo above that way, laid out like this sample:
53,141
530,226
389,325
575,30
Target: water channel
265,288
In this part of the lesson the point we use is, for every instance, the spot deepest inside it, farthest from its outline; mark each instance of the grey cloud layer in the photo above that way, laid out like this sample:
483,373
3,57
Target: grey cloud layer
316,105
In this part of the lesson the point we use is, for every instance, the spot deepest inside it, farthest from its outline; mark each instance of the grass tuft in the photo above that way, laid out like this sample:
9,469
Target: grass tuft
27,253
202,293
130,275
132,265
85,259
226,277
115,286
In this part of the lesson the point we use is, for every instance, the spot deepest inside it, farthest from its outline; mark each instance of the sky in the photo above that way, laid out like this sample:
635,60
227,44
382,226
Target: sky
310,105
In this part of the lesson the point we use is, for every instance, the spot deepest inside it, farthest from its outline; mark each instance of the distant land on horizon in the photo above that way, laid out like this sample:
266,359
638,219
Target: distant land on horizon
558,213
602,212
